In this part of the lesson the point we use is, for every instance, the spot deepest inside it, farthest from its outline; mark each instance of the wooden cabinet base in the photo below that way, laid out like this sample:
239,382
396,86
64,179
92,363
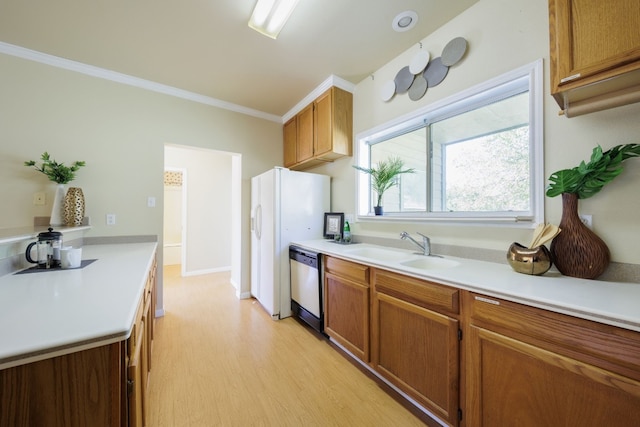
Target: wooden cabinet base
415,347
524,385
347,314
531,367
78,389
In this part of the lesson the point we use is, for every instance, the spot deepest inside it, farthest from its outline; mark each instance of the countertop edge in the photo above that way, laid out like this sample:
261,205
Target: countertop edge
518,295
36,356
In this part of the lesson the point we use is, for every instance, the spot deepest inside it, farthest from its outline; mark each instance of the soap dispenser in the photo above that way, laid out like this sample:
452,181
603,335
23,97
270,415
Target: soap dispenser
346,233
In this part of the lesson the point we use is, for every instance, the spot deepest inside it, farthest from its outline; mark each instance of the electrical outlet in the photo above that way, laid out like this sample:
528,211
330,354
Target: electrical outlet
587,220
39,199
349,217
111,219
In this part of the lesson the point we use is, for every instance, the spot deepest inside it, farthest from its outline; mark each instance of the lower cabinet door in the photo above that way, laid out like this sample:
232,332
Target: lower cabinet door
347,314
136,377
147,319
417,350
513,383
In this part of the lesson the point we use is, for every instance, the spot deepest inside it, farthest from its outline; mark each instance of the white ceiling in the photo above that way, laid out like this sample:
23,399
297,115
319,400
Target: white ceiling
206,47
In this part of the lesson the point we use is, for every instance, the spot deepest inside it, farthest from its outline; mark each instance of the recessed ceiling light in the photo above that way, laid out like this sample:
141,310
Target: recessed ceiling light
405,21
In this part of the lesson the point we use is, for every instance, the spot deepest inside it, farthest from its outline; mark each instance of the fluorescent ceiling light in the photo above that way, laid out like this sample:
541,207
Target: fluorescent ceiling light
269,16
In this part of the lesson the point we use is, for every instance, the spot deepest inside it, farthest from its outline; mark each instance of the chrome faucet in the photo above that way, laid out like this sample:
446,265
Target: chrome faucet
426,242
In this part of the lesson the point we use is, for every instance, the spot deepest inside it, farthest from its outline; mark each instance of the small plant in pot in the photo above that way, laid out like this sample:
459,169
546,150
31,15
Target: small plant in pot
384,176
56,172
577,251
61,175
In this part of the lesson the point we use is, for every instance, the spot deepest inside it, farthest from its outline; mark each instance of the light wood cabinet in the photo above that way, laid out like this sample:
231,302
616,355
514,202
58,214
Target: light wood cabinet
534,367
478,361
333,116
290,139
346,310
139,368
136,374
595,53
321,132
79,389
104,386
415,340
304,135
139,364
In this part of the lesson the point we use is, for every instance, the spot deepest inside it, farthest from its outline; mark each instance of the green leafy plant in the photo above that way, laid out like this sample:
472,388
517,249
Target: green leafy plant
384,175
56,172
587,179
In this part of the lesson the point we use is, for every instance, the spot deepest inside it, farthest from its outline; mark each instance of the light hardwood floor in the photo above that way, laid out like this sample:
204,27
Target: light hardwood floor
220,361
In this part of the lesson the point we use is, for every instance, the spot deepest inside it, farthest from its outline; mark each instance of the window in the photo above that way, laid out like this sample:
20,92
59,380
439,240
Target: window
476,156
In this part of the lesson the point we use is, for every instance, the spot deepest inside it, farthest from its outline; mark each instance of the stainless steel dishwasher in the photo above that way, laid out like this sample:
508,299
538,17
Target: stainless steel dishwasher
306,287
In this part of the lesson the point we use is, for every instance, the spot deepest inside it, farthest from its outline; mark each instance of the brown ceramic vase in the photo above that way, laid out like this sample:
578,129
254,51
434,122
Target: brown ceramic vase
577,251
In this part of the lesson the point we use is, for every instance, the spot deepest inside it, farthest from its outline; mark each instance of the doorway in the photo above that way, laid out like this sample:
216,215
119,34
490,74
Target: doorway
173,223
201,229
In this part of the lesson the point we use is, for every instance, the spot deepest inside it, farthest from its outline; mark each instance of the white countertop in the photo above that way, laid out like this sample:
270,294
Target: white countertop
47,314
611,303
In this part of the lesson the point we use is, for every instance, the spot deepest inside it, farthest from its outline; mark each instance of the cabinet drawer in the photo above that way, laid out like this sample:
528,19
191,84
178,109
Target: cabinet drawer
420,292
583,339
347,269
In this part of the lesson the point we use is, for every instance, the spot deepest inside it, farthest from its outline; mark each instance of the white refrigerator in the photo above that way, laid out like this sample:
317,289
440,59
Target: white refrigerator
286,206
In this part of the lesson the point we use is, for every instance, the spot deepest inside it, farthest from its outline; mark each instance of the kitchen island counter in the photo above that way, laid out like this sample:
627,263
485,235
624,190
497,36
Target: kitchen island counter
51,313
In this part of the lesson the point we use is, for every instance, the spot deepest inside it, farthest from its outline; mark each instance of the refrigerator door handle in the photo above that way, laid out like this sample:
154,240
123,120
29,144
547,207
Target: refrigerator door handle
258,225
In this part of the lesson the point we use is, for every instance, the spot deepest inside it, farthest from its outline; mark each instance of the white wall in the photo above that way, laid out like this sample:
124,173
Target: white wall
120,131
503,35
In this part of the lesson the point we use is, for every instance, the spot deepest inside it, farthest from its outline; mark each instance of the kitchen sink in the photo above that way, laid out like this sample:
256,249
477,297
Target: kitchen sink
430,263
379,254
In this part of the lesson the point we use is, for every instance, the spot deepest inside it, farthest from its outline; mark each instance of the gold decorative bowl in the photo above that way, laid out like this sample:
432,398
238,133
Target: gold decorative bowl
535,261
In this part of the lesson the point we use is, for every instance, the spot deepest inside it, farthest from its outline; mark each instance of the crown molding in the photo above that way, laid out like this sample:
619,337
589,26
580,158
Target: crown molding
90,70
332,80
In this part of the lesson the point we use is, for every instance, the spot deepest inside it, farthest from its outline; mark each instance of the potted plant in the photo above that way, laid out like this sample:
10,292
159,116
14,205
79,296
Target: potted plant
56,172
577,251
62,174
384,176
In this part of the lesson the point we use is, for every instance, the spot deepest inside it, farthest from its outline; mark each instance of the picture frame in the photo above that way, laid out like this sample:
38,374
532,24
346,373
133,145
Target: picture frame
333,224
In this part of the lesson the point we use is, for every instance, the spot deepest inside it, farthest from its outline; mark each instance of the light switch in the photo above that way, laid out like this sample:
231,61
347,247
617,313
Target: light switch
151,202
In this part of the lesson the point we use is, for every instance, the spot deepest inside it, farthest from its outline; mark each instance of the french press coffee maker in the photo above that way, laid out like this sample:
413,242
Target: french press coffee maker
48,249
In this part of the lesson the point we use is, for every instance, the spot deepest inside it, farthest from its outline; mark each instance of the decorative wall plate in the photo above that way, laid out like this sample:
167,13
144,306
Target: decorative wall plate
419,62
435,72
418,88
454,51
403,80
388,90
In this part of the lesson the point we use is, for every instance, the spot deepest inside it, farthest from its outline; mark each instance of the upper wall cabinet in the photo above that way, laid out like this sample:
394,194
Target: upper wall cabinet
595,54
321,132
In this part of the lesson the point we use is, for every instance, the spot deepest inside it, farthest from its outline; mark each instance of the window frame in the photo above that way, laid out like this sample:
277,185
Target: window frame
456,104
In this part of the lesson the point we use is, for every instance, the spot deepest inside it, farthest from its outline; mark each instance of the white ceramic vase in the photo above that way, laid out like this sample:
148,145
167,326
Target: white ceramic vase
57,218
